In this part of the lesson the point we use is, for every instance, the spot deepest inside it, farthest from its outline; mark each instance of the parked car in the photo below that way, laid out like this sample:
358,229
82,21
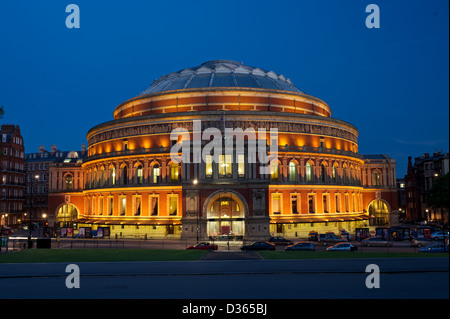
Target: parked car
416,242
259,245
330,238
434,248
346,235
203,246
302,246
342,247
313,235
439,235
280,241
376,241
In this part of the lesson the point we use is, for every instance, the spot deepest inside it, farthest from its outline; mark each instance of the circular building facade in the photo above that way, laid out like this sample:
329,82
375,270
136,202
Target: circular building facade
305,177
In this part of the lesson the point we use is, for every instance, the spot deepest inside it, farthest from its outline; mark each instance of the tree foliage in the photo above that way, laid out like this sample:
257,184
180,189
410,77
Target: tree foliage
439,195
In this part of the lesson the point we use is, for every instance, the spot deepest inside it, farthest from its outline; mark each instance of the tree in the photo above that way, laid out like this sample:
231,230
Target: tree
439,196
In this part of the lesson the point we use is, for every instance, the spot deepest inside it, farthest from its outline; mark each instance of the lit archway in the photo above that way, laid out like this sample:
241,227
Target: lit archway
379,212
66,214
225,212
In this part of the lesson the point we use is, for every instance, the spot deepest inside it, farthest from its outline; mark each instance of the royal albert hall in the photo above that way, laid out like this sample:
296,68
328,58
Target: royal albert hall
129,182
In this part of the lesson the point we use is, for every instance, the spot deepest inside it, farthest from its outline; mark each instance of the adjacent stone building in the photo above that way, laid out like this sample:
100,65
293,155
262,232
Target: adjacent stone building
12,175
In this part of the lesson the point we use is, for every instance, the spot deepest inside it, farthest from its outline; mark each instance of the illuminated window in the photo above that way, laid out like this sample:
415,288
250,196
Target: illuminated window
292,172
334,174
241,165
274,170
376,178
173,205
155,174
69,182
112,176
309,172
225,165
209,165
139,175
174,173
123,206
276,203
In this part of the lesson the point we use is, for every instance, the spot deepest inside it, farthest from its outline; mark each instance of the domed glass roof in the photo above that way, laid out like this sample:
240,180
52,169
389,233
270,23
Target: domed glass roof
221,73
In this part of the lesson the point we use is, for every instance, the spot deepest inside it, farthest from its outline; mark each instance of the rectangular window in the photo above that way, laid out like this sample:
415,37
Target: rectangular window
154,205
209,166
276,203
123,206
295,204
354,202
326,203
337,203
311,204
137,206
225,165
241,165
100,206
346,203
155,175
111,206
173,205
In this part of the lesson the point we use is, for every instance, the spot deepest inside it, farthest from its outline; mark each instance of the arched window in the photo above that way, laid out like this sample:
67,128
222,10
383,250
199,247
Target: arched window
376,178
274,171
323,173
112,176
292,172
139,175
174,173
102,177
334,174
69,182
155,174
309,172
125,175
345,175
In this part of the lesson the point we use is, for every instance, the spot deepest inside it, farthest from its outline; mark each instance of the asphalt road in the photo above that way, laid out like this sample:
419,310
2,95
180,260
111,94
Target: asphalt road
400,278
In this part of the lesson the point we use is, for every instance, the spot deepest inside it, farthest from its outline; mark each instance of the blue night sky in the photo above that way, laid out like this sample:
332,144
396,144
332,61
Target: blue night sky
391,83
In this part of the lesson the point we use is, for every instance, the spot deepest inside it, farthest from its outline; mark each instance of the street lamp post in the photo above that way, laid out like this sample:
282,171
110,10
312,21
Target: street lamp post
30,242
195,182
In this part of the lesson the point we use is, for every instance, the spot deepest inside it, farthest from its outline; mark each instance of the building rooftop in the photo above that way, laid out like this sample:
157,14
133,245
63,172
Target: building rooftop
221,73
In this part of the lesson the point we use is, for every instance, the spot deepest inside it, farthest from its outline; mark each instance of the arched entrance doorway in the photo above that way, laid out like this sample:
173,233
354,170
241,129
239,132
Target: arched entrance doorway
225,213
66,214
379,213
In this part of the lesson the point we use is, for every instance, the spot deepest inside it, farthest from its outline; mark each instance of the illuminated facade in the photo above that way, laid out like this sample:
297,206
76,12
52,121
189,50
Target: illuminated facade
130,182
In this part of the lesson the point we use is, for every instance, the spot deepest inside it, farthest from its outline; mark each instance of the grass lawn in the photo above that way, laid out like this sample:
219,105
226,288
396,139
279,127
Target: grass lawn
340,254
98,255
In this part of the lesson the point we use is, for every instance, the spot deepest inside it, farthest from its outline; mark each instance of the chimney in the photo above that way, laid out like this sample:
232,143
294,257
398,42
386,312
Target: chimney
41,149
53,148
83,148
427,155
